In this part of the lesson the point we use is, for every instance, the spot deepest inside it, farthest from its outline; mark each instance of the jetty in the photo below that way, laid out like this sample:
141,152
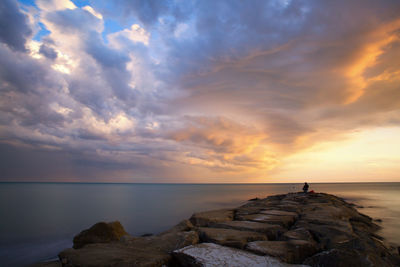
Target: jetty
295,229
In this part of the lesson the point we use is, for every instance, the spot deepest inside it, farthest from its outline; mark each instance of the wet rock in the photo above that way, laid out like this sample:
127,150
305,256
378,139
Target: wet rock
207,218
272,231
293,251
229,237
100,233
213,255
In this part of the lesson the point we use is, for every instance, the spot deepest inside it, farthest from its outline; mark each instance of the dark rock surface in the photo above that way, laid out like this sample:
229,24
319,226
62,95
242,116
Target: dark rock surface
312,229
133,251
229,237
208,218
292,251
100,233
272,231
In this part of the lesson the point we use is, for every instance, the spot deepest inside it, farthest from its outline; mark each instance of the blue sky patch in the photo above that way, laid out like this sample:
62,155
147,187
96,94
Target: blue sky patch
42,32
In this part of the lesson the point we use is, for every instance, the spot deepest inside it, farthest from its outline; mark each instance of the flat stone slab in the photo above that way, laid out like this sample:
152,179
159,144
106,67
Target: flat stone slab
248,210
213,255
288,207
284,221
229,237
279,212
207,218
293,251
273,231
299,234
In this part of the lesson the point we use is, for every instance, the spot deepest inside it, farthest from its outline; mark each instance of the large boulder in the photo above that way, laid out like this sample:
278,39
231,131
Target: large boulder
282,220
229,237
293,251
149,251
272,231
208,218
298,234
100,233
328,236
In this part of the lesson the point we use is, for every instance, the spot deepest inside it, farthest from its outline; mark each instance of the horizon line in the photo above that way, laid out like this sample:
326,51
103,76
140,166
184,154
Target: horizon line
172,183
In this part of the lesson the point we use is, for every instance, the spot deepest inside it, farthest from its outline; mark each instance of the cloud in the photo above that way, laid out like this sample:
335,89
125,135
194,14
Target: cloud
148,12
221,143
93,12
54,5
73,21
48,52
134,34
14,28
223,89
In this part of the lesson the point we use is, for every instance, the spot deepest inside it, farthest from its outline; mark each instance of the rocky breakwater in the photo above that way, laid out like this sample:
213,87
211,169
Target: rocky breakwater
283,230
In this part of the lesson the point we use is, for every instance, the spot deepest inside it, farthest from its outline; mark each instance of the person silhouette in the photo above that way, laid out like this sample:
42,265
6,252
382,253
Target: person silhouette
305,187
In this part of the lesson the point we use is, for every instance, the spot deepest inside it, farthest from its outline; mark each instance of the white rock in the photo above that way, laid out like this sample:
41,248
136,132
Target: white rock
210,255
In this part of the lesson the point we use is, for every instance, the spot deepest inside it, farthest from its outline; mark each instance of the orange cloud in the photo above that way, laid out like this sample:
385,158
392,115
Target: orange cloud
369,54
222,144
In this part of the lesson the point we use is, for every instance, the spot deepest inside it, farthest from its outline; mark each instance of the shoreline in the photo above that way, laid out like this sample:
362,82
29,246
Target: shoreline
285,229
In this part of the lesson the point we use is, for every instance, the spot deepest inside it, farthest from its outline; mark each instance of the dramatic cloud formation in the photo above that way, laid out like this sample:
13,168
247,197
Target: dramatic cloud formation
199,91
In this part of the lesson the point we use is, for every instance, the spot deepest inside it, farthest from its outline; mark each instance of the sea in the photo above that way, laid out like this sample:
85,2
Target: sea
38,220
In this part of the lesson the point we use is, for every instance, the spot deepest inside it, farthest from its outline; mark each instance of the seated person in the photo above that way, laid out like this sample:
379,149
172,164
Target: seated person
305,187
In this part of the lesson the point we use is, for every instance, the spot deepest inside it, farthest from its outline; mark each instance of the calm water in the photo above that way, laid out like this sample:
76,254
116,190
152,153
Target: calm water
38,220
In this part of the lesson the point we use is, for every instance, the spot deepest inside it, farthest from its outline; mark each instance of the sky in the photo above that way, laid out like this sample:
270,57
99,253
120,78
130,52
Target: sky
184,91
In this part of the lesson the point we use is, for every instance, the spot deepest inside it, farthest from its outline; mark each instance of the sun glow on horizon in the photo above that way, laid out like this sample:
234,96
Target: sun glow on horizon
362,155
